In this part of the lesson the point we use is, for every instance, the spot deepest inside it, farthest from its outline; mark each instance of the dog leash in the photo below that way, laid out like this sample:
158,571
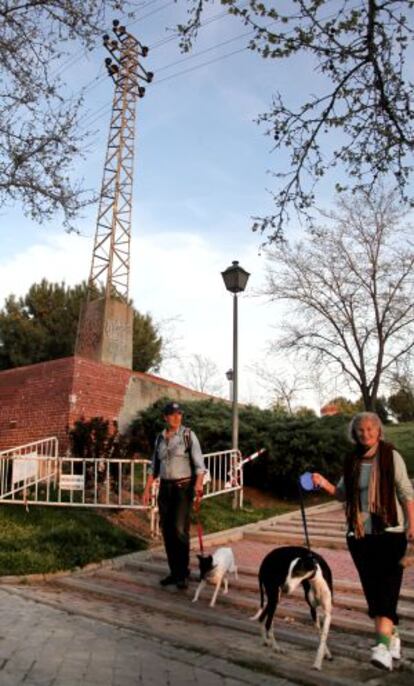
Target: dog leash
302,509
197,506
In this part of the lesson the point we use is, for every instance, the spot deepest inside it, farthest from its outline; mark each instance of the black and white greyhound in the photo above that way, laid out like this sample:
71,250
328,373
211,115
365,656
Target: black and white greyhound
281,571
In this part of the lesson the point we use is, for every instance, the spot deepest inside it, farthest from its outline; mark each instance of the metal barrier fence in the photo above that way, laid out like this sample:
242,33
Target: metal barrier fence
28,465
224,474
34,474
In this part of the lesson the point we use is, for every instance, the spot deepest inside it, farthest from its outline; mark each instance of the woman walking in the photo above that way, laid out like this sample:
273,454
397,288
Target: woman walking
379,508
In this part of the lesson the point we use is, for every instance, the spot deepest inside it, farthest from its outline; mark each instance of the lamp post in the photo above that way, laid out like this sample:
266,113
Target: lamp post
235,279
229,377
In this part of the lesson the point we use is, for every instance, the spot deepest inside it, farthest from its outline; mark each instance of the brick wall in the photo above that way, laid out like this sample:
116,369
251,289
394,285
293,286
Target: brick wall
34,401
98,389
41,400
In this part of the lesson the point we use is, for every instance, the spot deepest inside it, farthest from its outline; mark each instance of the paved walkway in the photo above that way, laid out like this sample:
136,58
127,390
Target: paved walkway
45,646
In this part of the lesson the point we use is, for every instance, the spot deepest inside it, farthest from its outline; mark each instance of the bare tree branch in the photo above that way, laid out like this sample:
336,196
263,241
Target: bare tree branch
365,110
352,287
40,139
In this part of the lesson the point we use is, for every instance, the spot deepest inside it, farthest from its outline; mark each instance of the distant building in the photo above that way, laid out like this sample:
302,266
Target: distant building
329,410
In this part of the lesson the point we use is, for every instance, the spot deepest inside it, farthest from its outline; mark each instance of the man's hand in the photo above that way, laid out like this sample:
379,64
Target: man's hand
198,487
147,495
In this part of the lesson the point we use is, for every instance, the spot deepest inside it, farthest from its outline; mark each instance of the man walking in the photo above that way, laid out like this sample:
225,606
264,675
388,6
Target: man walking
178,462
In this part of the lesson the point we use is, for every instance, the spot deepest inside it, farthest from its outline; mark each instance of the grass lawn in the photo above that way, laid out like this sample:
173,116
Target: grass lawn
217,513
48,539
402,436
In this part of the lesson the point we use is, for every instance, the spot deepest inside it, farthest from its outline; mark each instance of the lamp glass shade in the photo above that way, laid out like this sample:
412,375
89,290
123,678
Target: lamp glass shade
235,278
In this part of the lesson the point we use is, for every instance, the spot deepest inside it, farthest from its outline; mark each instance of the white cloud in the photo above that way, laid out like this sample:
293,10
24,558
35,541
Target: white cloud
174,275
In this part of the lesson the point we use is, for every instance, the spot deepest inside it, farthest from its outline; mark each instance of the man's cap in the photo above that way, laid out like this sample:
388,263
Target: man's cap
171,408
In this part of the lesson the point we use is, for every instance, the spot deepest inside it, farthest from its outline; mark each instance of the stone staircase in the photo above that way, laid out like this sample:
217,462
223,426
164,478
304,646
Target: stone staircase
129,595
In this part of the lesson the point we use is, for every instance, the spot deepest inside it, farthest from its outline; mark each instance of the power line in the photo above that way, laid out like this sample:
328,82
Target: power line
100,113
221,15
107,108
199,66
185,59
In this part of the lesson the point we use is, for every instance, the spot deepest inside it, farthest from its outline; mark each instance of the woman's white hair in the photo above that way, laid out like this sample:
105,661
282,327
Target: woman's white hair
356,421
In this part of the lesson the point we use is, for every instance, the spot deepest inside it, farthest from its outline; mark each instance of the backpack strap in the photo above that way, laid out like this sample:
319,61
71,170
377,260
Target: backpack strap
188,444
187,439
157,443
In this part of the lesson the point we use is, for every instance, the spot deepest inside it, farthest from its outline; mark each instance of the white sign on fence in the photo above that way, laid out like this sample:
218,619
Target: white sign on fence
72,482
24,468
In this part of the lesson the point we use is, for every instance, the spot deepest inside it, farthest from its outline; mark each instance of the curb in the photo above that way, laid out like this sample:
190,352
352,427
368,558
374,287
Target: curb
28,579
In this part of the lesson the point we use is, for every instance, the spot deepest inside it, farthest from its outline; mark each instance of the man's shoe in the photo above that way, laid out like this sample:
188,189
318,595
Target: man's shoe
182,584
168,580
381,657
395,647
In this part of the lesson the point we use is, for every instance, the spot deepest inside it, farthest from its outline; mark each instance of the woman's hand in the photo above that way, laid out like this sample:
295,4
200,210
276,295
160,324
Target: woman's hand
321,482
318,479
409,512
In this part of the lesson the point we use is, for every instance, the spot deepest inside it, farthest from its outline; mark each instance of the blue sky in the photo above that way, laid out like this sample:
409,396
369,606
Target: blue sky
201,173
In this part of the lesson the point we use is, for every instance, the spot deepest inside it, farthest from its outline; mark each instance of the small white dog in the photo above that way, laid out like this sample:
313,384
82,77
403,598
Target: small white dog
215,569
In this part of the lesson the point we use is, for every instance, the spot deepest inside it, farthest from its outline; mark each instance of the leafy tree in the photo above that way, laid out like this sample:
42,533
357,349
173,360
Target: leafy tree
350,291
364,108
147,344
381,409
345,406
42,326
304,411
401,403
39,135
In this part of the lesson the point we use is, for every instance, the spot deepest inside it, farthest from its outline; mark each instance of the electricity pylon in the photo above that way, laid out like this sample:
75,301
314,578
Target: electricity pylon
105,325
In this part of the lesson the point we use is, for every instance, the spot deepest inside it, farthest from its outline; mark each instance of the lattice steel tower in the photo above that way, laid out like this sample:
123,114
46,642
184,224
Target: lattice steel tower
106,321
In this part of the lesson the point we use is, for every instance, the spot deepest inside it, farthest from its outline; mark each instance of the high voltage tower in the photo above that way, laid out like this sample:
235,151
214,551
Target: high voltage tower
106,321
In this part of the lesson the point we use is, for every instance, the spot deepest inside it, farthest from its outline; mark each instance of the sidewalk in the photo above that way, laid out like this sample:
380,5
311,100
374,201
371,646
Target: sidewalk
45,646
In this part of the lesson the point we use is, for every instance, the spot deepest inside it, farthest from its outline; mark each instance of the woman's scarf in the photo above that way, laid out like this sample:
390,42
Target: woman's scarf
381,490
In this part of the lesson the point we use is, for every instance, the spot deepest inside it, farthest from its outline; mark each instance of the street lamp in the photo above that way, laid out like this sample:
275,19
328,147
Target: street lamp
235,279
229,377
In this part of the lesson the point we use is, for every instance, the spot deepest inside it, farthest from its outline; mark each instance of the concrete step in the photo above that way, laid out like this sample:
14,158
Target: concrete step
293,527
336,518
250,573
290,609
290,538
233,638
248,588
142,590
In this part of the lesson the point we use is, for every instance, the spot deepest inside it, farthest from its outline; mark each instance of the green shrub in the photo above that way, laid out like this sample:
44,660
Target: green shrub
293,444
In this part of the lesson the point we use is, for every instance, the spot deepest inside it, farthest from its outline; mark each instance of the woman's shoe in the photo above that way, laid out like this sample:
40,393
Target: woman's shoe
395,647
381,657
